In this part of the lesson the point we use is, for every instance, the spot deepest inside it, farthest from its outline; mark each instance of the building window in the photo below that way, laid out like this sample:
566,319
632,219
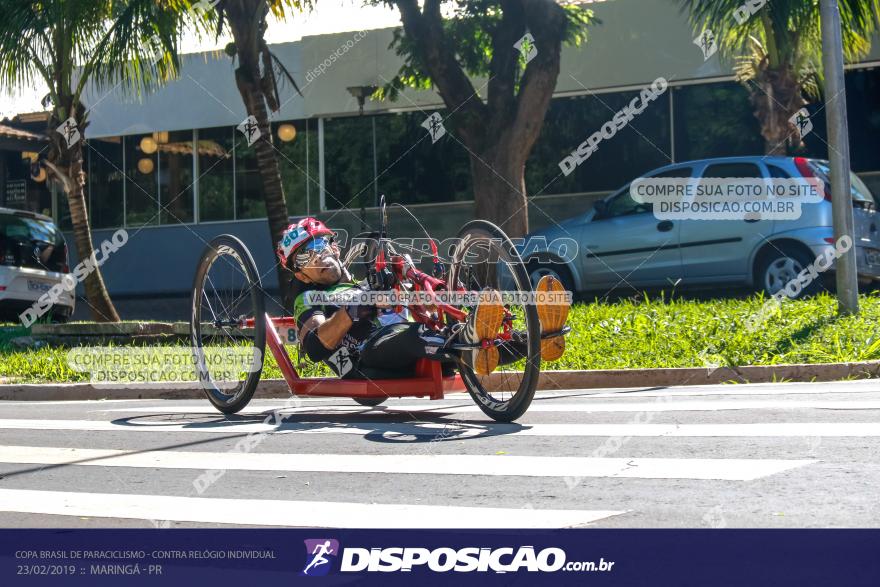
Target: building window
862,98
175,155
216,174
413,170
715,120
141,190
348,163
641,145
19,190
249,199
105,182
298,162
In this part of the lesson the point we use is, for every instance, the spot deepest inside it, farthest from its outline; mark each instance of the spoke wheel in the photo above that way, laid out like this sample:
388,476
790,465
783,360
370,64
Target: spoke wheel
486,258
228,356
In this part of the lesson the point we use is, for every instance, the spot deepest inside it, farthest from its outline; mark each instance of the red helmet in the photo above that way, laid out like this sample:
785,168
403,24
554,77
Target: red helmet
297,235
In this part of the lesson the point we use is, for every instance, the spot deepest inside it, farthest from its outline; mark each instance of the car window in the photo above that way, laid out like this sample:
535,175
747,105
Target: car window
777,172
860,189
622,203
31,242
733,170
677,173
860,192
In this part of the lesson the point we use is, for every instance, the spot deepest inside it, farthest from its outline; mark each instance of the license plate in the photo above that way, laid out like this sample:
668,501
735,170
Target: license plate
35,285
873,257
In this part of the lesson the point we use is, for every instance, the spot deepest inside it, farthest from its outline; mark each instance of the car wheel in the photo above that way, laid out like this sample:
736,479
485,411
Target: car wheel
779,267
60,317
538,269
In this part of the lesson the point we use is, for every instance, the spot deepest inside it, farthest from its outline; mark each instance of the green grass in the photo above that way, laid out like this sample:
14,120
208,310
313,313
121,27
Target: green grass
624,334
685,333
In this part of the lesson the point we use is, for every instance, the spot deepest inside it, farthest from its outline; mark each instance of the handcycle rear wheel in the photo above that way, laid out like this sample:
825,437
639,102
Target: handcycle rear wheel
486,258
226,292
369,401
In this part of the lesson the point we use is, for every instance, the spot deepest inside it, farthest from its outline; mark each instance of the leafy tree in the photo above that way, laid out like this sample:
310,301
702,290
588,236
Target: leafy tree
69,44
515,45
777,48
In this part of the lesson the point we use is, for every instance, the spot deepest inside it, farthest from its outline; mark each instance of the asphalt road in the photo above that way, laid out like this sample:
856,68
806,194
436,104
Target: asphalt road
772,455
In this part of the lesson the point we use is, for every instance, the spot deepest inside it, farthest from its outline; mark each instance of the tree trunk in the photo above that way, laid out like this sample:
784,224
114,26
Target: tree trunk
102,308
270,173
247,23
500,190
776,99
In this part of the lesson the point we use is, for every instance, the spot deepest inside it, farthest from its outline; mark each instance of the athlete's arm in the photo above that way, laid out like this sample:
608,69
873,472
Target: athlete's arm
329,331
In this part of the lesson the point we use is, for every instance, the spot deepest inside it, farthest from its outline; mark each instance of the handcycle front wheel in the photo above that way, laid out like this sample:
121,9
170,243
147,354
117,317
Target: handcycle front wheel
486,258
227,325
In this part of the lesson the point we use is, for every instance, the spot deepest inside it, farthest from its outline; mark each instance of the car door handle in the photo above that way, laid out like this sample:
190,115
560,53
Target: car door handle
665,226
752,220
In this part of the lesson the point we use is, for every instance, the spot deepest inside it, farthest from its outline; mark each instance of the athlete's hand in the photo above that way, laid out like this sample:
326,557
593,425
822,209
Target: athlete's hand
367,313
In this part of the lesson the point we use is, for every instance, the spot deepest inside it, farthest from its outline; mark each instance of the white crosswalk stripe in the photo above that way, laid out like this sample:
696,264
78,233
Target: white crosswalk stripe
272,512
426,464
385,445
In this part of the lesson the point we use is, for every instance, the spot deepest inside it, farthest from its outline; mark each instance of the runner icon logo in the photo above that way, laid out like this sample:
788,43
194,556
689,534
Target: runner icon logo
321,554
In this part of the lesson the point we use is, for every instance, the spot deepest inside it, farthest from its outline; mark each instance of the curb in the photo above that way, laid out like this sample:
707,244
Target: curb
679,376
548,381
104,329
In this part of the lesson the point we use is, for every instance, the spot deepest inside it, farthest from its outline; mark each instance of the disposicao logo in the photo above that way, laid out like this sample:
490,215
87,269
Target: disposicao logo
321,555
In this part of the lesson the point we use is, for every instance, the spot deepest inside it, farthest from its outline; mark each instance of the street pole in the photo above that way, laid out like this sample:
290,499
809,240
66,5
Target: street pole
838,155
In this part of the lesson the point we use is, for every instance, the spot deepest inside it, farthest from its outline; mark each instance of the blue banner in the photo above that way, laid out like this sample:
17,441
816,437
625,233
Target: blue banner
435,557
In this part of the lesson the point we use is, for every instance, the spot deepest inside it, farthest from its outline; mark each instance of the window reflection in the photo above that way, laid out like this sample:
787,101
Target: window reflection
715,120
216,181
412,169
142,202
348,162
175,150
105,182
642,145
249,200
298,161
21,191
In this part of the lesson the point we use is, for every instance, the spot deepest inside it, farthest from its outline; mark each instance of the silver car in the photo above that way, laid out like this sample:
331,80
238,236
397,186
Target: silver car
623,245
33,258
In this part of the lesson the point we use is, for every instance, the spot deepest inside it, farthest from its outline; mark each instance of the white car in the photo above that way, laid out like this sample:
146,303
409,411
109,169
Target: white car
33,258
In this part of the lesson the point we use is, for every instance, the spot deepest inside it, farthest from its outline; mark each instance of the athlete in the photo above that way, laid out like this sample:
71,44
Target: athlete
359,341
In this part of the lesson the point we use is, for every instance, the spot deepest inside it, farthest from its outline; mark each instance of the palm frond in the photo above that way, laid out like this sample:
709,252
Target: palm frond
789,30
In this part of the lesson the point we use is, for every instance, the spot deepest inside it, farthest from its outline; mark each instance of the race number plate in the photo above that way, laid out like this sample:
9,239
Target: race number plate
287,334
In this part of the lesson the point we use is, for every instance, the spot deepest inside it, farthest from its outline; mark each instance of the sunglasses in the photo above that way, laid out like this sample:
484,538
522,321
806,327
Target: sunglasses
316,246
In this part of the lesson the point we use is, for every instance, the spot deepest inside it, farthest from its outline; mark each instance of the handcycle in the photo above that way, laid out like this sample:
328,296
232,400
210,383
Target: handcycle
228,312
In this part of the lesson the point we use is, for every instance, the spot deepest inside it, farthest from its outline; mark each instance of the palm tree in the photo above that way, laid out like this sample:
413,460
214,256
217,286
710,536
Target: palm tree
69,44
257,77
777,50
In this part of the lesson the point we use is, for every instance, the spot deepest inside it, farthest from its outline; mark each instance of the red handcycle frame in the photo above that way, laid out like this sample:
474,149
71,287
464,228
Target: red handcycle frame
428,381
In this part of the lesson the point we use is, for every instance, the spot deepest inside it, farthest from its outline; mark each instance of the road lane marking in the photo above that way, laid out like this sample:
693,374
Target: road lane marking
424,464
452,430
584,407
271,512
